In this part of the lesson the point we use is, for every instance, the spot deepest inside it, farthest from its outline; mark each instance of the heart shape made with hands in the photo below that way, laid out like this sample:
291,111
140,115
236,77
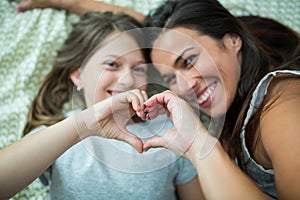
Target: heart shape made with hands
187,127
177,137
109,119
185,122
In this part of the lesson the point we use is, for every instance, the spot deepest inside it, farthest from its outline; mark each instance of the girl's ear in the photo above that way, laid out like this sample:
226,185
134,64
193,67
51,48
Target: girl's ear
233,41
75,77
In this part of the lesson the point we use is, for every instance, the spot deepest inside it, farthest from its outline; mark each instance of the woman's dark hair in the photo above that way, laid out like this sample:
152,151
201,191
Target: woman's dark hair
209,17
57,87
277,40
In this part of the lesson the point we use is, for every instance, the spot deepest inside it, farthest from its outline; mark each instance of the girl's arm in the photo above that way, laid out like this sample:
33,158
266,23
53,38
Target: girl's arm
190,191
23,161
26,159
79,7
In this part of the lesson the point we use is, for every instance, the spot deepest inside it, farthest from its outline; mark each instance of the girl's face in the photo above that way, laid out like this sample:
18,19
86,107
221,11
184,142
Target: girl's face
199,68
117,66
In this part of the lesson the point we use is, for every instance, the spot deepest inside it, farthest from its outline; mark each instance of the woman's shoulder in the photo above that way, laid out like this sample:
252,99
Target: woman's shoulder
279,125
283,86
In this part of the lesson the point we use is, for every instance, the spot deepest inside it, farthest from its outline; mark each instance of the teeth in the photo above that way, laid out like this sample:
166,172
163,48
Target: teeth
204,97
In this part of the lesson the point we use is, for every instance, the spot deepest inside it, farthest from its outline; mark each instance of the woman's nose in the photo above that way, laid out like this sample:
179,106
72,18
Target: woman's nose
185,85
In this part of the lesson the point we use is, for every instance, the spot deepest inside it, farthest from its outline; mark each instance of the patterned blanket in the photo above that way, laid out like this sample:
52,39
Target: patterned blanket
28,44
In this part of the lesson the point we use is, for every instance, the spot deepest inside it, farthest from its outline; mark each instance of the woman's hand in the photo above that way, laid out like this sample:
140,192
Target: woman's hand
109,117
187,126
80,7
31,4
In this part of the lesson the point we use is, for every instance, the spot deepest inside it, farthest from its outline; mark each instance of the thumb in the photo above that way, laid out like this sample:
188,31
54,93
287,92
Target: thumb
25,5
131,139
153,142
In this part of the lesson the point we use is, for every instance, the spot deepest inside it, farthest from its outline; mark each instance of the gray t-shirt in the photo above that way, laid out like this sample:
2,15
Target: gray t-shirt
98,168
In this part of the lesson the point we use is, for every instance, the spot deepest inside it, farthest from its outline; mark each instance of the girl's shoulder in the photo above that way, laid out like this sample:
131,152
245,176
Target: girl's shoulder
37,129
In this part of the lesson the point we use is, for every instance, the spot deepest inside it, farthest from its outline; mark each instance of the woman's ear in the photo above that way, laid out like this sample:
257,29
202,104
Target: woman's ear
233,41
75,77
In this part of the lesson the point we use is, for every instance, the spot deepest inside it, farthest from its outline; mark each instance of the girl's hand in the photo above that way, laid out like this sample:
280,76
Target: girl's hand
187,126
109,117
31,4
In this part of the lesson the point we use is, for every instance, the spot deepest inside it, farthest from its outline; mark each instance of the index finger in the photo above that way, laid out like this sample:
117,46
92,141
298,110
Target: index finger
167,99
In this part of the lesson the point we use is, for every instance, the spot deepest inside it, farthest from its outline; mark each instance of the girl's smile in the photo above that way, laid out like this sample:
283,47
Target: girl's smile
117,66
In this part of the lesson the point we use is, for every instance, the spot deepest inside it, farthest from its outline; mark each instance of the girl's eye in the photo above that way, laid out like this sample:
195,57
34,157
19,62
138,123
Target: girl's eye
111,64
190,61
170,79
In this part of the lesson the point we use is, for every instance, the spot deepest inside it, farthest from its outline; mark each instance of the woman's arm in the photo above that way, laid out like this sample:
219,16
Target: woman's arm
219,177
79,7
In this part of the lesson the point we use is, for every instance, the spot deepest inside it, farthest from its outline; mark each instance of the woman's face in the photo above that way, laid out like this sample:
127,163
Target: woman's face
117,66
198,68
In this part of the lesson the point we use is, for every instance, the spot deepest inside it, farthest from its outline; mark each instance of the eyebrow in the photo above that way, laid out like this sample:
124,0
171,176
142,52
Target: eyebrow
164,76
141,62
181,55
112,56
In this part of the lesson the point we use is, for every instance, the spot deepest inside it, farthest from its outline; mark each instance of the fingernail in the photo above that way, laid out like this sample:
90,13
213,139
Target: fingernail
147,116
141,115
138,107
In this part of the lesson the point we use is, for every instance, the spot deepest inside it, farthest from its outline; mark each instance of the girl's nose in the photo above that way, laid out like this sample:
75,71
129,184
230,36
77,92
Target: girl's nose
126,79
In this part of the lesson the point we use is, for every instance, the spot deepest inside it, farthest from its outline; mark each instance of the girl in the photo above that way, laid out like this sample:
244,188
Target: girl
103,63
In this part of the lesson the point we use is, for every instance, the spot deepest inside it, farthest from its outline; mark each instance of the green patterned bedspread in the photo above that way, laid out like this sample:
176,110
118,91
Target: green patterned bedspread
28,44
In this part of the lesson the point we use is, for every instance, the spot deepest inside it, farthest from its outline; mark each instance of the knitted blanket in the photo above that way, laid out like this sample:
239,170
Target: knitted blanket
28,45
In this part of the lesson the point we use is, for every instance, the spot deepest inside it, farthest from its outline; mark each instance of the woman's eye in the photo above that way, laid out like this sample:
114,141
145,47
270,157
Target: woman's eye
141,70
170,80
190,61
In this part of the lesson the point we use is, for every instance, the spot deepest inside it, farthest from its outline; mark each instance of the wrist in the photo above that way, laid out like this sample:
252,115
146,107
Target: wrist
202,147
78,7
85,123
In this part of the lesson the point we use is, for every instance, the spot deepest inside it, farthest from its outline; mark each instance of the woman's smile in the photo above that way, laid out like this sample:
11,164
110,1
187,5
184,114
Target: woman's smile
205,97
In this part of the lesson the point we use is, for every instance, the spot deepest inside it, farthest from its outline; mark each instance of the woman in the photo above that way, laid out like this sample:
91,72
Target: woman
216,66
